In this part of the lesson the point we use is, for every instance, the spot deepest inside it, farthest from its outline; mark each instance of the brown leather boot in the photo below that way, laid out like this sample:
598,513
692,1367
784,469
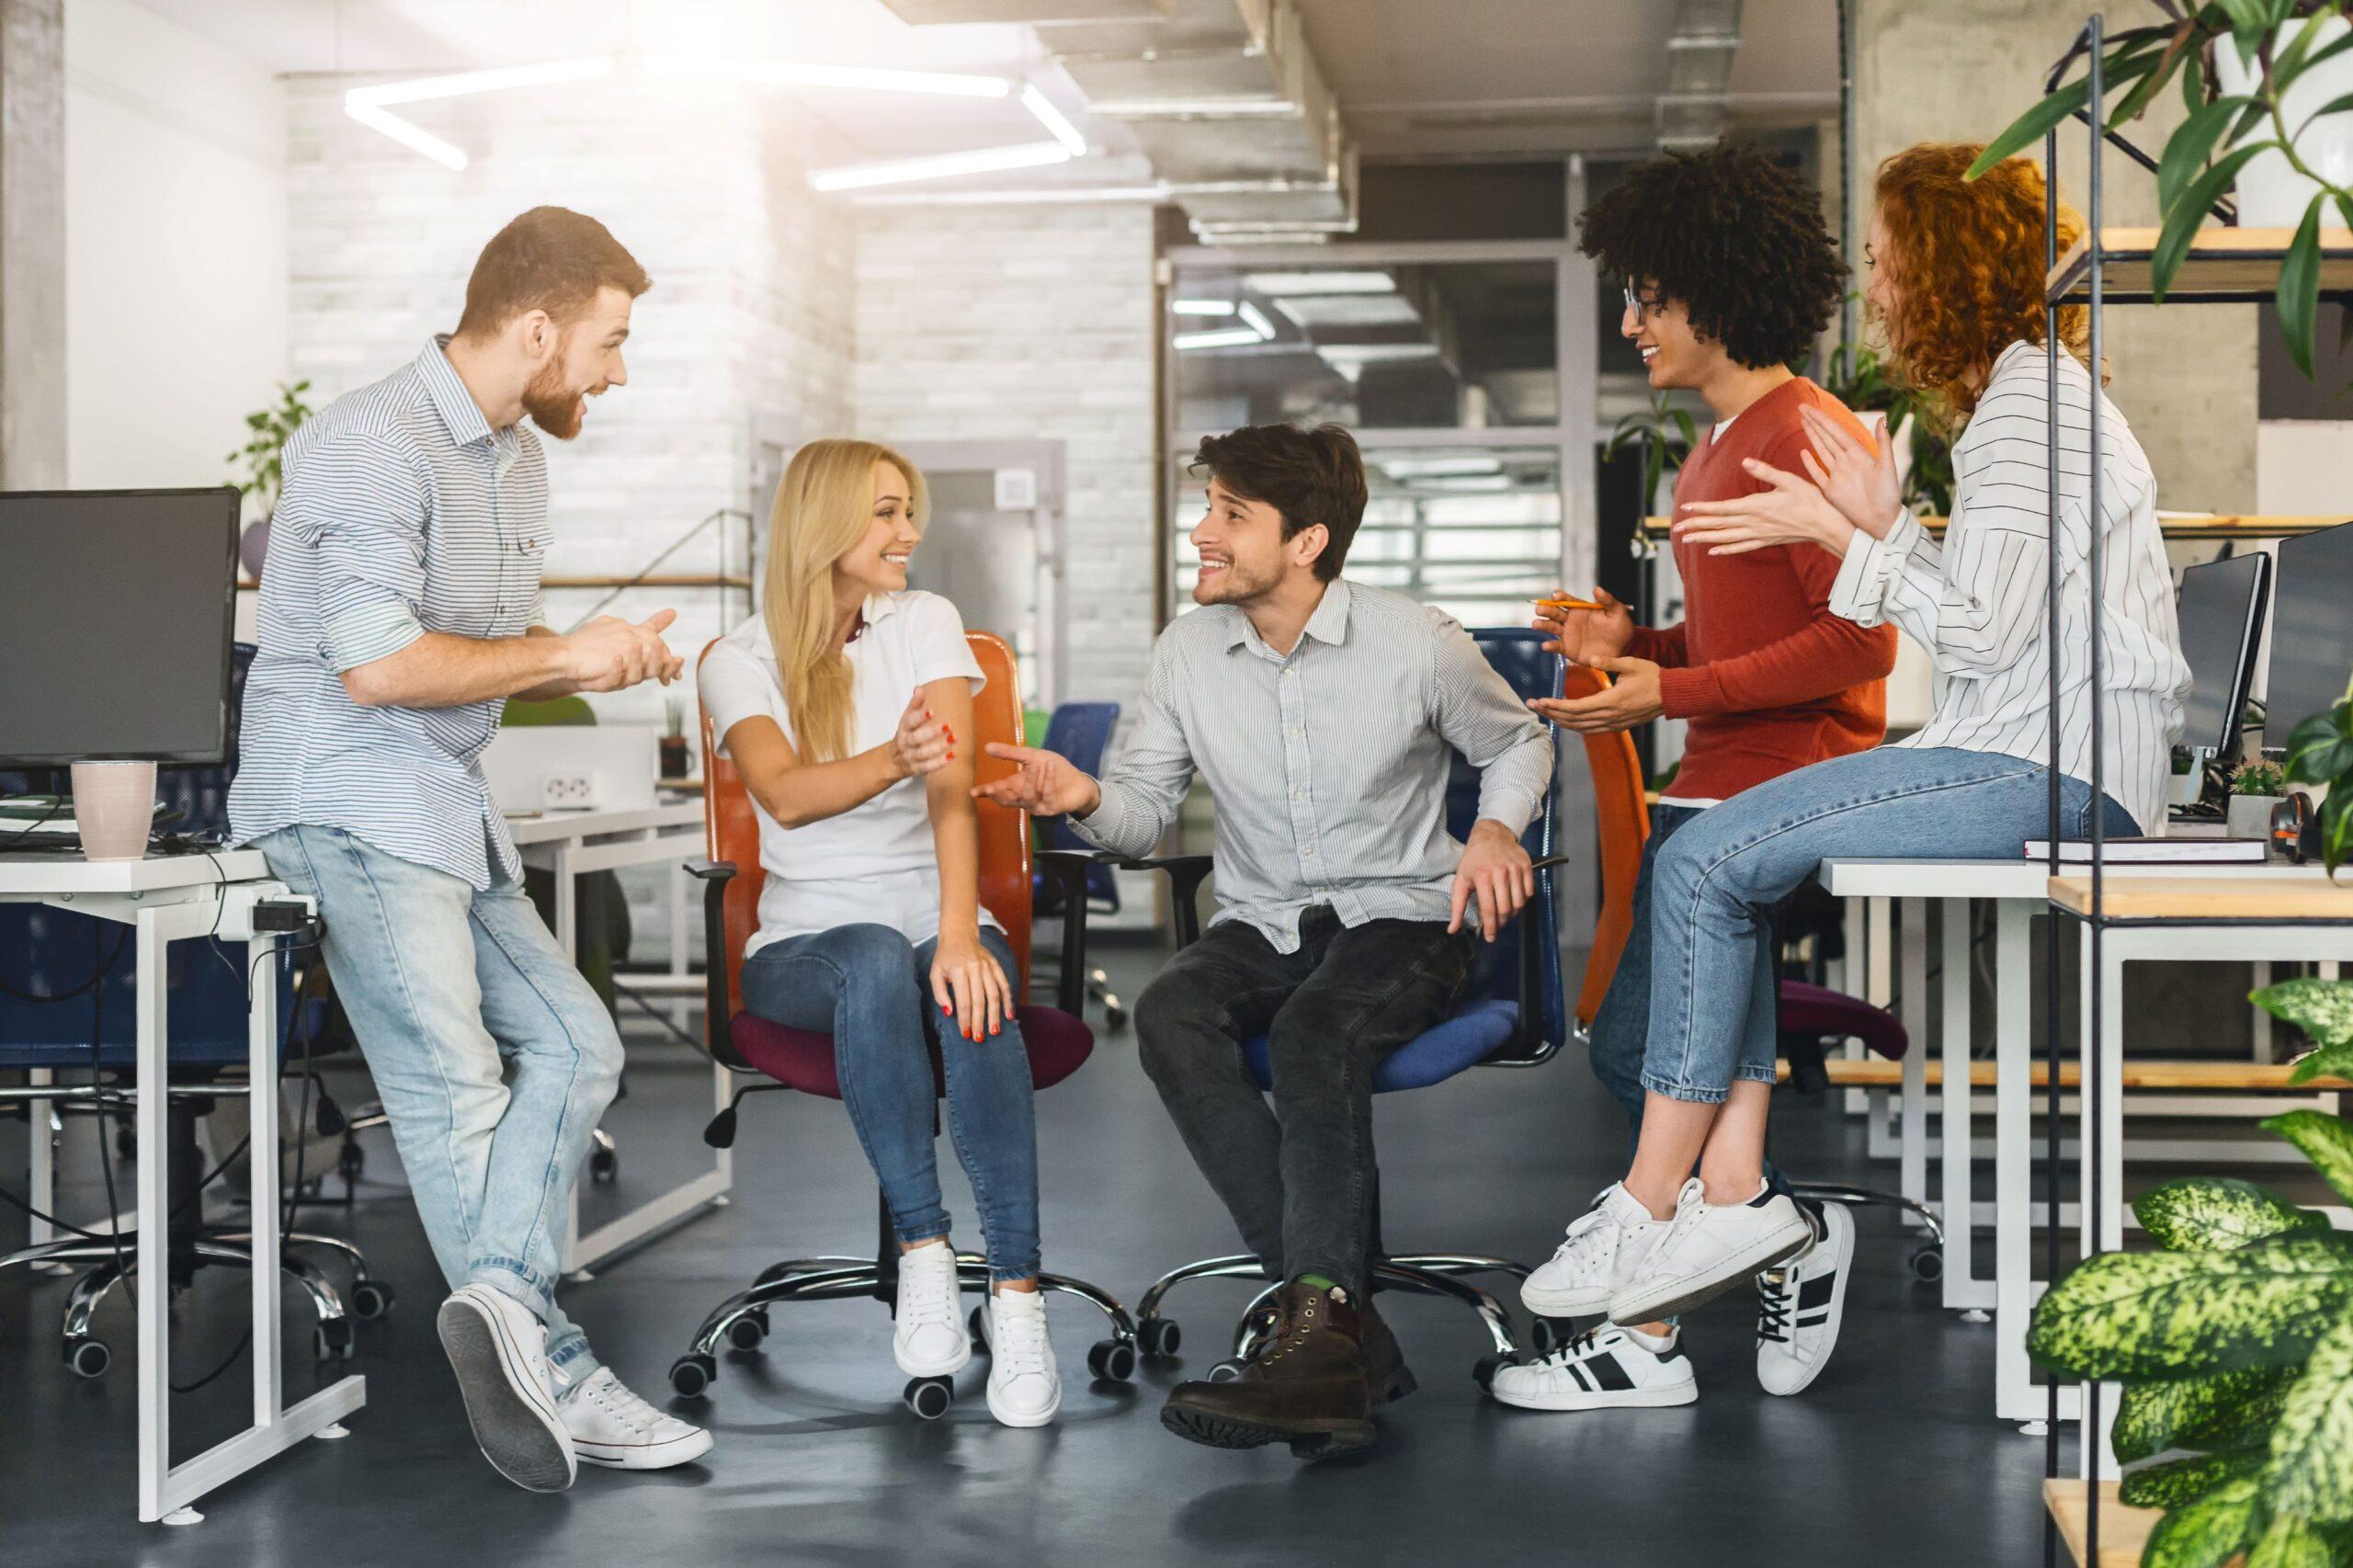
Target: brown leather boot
1384,1364
1306,1387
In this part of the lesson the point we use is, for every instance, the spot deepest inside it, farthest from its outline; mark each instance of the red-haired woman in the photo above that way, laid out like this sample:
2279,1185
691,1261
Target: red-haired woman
1957,279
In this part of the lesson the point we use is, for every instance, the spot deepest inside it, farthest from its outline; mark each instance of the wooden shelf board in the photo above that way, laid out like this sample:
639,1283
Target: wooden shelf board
2249,525
2154,1073
2123,1532
680,582
2235,263
2253,897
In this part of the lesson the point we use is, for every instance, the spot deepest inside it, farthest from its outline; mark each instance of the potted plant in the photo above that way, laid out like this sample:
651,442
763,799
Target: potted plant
1667,435
263,459
674,737
2320,752
1857,375
2234,1342
2255,787
2269,86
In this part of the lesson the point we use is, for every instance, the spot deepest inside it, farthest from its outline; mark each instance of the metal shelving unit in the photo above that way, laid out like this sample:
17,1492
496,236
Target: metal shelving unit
2114,265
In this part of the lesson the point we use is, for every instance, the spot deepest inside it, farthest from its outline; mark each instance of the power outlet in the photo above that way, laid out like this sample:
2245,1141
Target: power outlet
568,792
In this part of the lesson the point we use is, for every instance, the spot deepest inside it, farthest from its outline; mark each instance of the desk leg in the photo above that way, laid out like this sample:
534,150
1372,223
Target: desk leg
2014,1389
1963,1290
2101,1120
152,1279
2263,1051
41,1160
261,971
1912,1147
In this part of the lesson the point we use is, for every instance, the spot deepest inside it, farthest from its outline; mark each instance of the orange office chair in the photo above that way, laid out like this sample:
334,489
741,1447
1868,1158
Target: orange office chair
1057,1039
1623,816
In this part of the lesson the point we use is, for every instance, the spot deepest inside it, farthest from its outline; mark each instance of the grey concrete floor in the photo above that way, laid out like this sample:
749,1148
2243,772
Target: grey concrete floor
1892,1456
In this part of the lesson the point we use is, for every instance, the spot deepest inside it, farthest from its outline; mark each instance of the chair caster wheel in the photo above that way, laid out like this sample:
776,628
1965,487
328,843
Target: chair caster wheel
746,1332
691,1375
977,1321
370,1299
1548,1335
350,1163
331,1340
604,1165
1483,1371
1224,1372
1158,1336
1114,1019
89,1357
1927,1263
126,1143
1111,1360
929,1397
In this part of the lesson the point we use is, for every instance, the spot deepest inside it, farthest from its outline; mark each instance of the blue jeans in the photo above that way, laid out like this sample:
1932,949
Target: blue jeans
870,988
446,987
1715,880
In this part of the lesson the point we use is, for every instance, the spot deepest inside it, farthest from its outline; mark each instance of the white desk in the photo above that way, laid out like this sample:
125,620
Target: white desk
569,844
2018,890
165,900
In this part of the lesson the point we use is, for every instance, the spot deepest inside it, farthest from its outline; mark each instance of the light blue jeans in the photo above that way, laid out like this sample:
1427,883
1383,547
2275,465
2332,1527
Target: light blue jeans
1715,879
445,986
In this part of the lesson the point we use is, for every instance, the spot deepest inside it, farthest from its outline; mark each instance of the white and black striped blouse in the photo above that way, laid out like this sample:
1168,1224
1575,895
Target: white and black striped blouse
1978,603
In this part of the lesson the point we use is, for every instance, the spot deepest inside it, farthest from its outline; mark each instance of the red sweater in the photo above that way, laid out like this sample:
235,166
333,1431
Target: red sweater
1768,678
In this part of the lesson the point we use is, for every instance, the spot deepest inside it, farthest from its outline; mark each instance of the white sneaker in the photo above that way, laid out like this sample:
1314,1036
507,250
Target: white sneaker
498,1347
1606,1247
927,1335
1602,1368
1799,1305
1709,1248
1025,1386
613,1428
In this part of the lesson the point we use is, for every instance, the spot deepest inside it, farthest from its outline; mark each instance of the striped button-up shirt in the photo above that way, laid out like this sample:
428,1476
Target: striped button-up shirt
403,513
1329,764
1979,602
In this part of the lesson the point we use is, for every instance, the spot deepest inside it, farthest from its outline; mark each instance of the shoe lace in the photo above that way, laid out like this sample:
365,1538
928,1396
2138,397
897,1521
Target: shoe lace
623,1403
1584,1251
931,1293
1020,1345
1773,1300
1295,1330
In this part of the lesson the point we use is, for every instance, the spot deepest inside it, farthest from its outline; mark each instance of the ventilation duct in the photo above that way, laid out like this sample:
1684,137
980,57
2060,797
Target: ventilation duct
1698,72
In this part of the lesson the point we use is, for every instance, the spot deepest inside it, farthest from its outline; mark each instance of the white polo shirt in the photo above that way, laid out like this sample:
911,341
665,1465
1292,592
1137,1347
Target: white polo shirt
875,863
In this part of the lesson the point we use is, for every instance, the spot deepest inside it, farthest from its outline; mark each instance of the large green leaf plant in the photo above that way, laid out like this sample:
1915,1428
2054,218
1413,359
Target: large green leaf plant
2233,1343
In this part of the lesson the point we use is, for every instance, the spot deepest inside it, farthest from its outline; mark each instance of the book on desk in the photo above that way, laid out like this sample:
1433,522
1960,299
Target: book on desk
2183,851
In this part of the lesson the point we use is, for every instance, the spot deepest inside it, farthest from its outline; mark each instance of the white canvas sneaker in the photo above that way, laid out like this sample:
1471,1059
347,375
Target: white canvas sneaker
927,1335
1025,1386
498,1347
1799,1305
1602,1368
1709,1248
613,1428
1605,1248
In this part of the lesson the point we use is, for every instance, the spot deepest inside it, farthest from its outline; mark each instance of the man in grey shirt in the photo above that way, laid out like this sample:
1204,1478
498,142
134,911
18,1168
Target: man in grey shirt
1323,713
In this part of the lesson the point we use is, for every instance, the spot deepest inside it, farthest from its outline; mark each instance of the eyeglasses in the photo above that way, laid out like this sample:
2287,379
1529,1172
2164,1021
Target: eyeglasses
1642,308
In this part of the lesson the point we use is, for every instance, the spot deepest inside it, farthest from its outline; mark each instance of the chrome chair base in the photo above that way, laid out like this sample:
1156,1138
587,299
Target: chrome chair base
1428,1274
1927,1260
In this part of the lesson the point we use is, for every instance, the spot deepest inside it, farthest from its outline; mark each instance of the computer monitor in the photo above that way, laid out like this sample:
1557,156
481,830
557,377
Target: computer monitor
2311,631
2221,612
122,608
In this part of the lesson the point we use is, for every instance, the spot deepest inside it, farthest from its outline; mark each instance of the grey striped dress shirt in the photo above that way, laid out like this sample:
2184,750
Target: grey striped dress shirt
1978,603
403,513
1329,766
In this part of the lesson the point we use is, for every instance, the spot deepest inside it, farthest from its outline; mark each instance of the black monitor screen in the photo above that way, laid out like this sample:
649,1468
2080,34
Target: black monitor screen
2311,631
115,642
2222,624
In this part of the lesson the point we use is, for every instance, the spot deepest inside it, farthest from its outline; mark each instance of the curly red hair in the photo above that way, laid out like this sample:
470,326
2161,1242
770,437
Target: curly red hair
1967,262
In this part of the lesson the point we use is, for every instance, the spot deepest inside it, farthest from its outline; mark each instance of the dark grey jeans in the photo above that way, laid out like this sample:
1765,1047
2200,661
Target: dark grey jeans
1297,1177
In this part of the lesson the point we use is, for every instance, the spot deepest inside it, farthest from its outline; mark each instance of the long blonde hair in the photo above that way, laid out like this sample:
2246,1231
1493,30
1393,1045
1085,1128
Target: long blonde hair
824,506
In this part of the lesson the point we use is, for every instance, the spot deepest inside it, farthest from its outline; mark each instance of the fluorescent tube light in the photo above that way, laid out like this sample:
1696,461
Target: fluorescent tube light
1201,307
981,160
413,138
464,83
1257,321
1057,124
1219,338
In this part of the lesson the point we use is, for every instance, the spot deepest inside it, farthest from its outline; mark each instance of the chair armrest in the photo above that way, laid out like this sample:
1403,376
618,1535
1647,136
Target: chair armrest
1185,874
1068,868
1531,1042
715,875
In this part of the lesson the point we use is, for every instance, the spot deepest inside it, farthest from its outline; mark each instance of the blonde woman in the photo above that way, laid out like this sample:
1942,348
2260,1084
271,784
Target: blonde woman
847,707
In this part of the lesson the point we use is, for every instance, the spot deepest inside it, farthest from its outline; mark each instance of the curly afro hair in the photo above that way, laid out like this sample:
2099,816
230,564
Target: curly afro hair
1732,235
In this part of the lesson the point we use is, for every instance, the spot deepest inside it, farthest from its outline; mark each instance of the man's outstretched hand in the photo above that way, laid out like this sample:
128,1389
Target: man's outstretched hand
1043,783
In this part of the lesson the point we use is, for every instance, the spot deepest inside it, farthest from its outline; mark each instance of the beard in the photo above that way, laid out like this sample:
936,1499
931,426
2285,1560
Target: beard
554,405
1236,584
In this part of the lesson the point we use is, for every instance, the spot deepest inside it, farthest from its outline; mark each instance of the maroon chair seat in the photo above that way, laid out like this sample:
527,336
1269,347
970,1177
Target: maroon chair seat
803,1059
1813,1012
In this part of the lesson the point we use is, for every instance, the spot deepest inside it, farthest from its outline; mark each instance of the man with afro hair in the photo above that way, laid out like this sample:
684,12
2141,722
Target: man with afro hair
1730,276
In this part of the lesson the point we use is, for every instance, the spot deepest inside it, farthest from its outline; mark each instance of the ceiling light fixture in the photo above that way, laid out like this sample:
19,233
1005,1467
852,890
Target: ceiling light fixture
366,105
1219,338
1201,307
1257,321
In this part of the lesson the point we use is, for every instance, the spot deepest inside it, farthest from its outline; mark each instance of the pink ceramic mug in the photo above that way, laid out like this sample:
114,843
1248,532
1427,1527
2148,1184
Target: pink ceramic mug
114,807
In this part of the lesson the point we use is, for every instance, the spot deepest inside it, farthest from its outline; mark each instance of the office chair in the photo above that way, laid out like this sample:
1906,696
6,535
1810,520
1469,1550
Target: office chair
1057,1039
1511,1016
1081,733
208,1042
1808,1018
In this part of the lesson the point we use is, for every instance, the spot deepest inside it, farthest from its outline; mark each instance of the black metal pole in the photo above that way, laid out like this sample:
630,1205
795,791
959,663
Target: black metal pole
2094,1043
2051,947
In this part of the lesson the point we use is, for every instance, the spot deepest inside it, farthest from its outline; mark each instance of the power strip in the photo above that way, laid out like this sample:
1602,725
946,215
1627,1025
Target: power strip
263,909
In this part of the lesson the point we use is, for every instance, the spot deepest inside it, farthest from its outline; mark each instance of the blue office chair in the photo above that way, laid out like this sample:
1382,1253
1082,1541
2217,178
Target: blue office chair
1513,1015
1081,733
45,952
